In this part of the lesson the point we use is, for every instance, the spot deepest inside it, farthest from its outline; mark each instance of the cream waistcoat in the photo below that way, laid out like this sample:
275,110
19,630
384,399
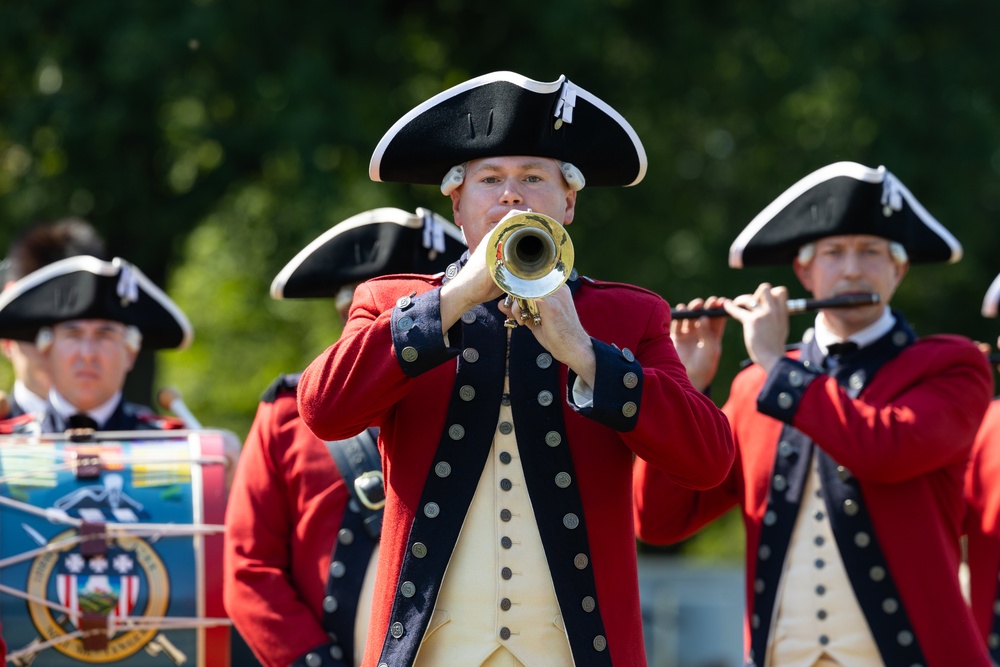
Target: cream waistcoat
497,595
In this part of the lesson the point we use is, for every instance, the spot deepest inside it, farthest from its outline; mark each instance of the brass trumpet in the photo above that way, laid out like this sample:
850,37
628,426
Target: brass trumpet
530,256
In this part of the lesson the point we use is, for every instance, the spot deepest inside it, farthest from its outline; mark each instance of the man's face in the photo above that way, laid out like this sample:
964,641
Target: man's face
29,366
851,264
496,185
88,361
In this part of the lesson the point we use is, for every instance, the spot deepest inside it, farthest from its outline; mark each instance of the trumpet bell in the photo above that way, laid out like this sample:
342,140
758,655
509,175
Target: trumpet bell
530,254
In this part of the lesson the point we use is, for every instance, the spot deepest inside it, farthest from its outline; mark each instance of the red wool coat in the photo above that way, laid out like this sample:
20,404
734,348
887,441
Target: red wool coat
400,376
906,440
282,518
982,492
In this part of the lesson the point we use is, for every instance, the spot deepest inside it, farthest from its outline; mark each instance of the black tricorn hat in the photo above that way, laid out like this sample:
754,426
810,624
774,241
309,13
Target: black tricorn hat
843,198
84,287
373,243
504,113
991,302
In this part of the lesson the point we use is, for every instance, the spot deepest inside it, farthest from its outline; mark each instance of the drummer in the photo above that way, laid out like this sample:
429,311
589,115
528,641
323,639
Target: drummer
39,245
88,319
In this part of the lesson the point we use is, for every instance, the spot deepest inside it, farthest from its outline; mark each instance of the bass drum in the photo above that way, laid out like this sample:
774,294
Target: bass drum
111,548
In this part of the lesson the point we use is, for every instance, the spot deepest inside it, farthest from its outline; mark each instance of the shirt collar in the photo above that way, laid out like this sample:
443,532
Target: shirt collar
867,336
28,400
101,414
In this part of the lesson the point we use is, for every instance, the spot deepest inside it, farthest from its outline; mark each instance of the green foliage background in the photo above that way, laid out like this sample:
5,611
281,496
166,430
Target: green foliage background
210,140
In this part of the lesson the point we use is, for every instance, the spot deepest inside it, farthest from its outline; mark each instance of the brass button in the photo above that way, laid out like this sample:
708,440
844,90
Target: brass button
451,271
330,604
410,353
780,483
469,317
857,380
470,354
851,508
408,589
795,378
877,573
629,409
890,605
627,353
862,539
571,521
396,630
432,510
404,323
758,586
905,638
456,431
630,380
404,302
764,552
563,480
419,549
467,392
785,400
581,561
785,448
442,469
770,518
345,536
313,660
337,569
545,397
843,474
544,360
600,643
588,604
553,439
899,338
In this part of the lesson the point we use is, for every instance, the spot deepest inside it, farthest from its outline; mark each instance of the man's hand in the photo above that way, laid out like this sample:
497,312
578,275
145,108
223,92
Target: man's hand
764,316
471,287
560,332
699,342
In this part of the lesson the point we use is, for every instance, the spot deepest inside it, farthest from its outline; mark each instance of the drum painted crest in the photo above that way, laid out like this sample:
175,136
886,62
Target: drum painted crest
111,549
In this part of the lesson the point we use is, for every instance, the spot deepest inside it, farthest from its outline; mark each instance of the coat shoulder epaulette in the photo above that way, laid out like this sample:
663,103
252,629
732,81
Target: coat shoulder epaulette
429,278
283,383
148,418
608,285
15,424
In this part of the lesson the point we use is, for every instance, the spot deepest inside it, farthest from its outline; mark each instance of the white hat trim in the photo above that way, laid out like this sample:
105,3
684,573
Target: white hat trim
524,82
851,170
990,300
99,267
375,215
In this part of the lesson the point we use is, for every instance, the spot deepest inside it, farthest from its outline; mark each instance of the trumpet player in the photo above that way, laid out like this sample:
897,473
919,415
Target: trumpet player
850,451
507,452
